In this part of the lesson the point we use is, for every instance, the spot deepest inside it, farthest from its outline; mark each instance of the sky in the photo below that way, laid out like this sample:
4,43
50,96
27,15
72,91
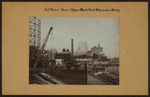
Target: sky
94,30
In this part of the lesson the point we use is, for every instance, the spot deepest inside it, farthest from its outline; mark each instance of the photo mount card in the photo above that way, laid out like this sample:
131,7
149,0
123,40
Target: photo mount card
78,29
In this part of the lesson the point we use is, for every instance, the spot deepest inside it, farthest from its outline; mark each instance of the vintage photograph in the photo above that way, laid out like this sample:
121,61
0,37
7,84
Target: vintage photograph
74,50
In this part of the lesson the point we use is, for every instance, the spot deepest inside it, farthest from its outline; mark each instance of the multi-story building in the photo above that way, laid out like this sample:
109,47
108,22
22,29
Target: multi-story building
62,57
97,50
82,48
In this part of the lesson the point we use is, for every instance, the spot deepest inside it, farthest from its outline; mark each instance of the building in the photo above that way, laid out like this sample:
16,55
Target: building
62,57
51,53
112,68
89,53
97,50
114,60
76,53
105,66
82,48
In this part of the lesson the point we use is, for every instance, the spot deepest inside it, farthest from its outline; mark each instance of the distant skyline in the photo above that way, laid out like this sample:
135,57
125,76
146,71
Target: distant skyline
94,30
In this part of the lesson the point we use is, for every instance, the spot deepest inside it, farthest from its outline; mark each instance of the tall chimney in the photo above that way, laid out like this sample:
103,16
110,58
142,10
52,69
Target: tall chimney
72,47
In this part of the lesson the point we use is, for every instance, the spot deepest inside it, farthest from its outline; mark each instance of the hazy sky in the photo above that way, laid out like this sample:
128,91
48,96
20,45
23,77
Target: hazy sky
94,30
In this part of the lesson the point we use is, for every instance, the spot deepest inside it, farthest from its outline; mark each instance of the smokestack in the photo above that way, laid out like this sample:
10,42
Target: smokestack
72,47
63,50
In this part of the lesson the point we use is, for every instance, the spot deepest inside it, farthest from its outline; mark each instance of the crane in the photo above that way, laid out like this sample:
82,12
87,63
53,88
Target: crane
42,48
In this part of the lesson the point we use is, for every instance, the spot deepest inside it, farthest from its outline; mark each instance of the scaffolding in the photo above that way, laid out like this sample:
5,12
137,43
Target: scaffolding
35,32
34,39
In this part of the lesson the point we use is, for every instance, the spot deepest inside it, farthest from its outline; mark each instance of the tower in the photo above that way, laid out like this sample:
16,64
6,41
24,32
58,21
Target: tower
35,32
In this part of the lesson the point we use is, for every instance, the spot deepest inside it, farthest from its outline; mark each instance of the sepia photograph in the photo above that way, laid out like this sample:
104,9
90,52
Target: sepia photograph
74,50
